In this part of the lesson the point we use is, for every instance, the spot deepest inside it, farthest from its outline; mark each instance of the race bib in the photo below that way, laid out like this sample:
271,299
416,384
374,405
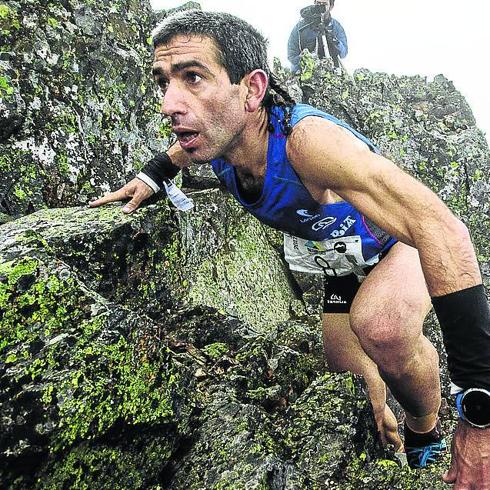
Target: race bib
334,257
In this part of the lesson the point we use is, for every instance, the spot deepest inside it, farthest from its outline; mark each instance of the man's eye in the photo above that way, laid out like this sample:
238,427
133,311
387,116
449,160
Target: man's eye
193,78
162,85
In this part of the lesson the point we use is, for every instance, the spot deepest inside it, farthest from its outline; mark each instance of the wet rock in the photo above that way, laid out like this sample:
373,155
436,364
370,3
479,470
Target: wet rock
167,350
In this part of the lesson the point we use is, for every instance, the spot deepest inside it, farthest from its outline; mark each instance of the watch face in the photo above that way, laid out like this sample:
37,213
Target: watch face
476,407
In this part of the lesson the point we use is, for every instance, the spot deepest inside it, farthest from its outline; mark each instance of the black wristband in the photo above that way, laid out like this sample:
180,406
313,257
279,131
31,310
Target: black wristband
160,168
465,322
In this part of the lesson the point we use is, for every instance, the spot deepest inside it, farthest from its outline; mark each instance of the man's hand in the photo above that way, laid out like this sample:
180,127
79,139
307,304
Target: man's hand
136,190
470,466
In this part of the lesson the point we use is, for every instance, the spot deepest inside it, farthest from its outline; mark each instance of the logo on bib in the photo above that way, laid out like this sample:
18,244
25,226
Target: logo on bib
343,228
340,247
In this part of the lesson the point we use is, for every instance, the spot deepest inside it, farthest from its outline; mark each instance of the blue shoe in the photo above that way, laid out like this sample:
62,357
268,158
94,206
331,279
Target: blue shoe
421,457
425,449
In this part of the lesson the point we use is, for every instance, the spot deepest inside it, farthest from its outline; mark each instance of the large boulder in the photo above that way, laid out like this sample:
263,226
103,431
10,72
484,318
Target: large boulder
78,110
85,373
159,259
112,375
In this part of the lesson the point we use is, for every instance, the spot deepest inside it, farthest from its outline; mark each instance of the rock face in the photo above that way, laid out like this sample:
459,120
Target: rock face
167,350
77,104
96,394
93,391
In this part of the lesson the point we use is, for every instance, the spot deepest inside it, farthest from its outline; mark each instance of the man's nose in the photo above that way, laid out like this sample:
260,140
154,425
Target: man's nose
173,101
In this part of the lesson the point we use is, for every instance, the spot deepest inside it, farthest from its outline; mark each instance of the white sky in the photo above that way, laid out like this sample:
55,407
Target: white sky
417,37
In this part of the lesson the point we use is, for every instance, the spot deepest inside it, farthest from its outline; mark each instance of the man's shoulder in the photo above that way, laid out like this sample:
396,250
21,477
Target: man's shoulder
322,129
307,129
296,27
302,111
336,23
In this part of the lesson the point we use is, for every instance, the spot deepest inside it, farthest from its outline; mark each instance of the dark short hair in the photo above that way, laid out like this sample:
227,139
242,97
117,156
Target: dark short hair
241,48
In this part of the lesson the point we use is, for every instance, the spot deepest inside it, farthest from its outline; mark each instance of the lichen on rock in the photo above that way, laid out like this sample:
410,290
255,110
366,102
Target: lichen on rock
77,368
167,350
78,109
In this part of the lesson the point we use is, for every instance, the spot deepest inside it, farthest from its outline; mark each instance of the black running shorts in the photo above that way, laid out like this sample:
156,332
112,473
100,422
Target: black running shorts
340,292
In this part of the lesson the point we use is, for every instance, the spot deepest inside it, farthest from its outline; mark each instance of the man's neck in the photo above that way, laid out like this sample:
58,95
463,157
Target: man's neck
249,154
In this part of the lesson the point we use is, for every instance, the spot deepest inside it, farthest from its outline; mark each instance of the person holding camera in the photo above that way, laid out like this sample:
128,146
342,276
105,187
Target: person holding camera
319,33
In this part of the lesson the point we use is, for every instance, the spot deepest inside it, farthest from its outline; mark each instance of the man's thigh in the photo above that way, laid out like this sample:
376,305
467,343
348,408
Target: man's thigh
393,300
341,346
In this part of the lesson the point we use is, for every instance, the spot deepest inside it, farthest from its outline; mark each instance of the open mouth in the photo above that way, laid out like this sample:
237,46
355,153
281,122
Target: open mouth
186,138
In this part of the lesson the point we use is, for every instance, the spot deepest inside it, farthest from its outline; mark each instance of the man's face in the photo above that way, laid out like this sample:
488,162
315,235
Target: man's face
207,111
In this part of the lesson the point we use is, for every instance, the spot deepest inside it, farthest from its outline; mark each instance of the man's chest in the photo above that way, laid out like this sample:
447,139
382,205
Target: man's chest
249,186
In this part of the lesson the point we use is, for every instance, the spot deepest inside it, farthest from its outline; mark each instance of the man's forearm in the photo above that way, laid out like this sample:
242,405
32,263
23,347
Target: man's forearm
464,317
453,277
446,251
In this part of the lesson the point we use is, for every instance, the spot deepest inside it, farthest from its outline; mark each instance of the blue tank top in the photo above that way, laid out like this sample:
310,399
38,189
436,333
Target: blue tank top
286,205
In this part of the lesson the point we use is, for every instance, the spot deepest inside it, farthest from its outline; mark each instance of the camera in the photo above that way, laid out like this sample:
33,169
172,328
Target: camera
319,9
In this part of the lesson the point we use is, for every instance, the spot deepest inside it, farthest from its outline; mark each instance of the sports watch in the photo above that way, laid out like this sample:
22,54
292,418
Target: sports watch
474,407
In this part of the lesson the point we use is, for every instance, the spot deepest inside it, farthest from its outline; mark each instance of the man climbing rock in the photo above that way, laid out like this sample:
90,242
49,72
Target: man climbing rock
389,247
319,33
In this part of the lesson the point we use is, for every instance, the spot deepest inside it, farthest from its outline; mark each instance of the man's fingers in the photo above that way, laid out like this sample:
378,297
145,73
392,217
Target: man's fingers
136,189
118,195
132,205
139,196
451,475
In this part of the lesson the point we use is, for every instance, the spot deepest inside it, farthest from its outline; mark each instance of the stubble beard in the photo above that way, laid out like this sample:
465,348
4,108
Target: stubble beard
222,150
222,140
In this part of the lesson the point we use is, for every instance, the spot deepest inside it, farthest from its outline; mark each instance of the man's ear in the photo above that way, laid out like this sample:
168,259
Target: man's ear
256,82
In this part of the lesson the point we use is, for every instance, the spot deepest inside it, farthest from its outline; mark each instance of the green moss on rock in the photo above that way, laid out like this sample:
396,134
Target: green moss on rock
84,368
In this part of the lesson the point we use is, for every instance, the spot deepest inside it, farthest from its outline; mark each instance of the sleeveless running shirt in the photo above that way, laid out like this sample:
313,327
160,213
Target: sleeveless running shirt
331,238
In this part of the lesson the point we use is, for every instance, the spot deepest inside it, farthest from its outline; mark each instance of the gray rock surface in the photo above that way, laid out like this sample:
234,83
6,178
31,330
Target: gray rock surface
77,106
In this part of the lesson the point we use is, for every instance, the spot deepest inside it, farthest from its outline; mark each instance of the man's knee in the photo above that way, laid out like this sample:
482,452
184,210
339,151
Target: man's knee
376,331
388,338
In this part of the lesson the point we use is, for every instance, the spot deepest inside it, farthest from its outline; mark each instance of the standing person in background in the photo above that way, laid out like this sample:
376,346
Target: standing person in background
319,33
